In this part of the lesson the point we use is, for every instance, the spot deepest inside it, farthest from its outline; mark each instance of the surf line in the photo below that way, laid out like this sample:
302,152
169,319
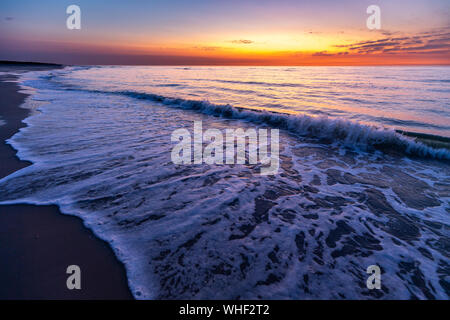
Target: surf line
213,153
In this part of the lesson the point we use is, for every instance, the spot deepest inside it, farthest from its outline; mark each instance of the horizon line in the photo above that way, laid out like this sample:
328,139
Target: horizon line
230,65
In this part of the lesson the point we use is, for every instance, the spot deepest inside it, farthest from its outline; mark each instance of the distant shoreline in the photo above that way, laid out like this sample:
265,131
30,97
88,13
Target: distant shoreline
28,63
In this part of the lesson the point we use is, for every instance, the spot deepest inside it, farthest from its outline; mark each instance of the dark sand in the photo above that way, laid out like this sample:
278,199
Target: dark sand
38,243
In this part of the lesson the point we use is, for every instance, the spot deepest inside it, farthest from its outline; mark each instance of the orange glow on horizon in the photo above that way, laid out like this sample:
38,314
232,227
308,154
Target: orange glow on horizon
264,50
229,33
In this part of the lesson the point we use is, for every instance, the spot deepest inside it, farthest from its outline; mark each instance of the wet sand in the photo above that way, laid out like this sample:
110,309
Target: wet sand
38,243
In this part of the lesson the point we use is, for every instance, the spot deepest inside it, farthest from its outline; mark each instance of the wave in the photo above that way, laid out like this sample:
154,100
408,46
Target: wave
168,85
350,133
270,84
437,80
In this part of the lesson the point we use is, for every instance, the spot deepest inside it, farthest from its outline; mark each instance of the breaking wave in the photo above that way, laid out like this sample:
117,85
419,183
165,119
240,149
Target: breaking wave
350,133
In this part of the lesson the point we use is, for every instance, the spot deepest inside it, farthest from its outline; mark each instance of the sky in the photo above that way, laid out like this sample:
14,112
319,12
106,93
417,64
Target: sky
227,32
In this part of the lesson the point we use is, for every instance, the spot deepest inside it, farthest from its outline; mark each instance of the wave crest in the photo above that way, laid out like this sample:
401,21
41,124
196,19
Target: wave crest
350,133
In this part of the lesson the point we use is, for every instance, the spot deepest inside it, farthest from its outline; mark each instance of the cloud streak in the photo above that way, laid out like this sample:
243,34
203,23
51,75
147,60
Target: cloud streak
242,41
427,42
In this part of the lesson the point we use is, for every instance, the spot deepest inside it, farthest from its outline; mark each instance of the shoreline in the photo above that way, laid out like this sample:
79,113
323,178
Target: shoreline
39,242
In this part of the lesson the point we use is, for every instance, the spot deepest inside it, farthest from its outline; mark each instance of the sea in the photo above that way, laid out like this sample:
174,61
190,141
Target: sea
355,186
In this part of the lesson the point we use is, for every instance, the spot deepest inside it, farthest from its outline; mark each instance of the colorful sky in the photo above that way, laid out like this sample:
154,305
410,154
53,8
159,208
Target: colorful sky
227,32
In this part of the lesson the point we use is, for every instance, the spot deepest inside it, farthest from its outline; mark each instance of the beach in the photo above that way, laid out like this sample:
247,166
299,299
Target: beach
38,243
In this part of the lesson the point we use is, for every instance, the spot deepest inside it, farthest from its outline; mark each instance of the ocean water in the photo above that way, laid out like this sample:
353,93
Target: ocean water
407,98
350,192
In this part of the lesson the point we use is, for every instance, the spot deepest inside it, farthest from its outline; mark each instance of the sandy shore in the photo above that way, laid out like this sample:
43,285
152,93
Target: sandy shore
38,243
